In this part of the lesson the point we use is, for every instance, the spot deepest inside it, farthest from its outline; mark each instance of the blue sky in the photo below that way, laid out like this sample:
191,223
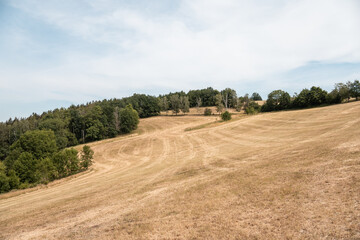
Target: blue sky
55,53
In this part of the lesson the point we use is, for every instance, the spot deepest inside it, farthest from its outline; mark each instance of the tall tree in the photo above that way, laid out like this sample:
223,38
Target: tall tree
184,104
39,143
355,89
129,119
175,103
198,104
277,100
256,97
343,90
219,103
164,104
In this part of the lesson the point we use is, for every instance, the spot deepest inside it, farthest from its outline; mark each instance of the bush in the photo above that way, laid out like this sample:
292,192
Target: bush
207,112
250,111
226,116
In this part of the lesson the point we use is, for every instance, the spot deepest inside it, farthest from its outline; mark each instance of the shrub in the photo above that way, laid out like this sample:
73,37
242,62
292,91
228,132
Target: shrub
207,112
250,111
226,116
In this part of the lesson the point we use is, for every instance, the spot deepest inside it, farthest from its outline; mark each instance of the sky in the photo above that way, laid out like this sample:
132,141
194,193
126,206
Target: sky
57,53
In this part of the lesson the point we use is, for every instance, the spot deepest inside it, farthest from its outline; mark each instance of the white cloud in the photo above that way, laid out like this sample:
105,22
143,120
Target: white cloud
202,43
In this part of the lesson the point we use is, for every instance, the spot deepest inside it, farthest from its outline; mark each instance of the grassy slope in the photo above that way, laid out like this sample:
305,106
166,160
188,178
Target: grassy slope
293,174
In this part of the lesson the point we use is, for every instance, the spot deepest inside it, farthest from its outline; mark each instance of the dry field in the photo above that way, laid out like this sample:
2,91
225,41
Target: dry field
285,175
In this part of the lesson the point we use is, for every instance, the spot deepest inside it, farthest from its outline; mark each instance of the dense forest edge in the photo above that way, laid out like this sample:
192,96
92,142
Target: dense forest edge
38,149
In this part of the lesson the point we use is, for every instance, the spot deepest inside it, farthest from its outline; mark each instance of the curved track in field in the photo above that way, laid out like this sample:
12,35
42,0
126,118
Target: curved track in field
292,174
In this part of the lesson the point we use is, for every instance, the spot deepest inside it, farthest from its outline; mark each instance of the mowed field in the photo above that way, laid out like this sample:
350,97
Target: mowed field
284,175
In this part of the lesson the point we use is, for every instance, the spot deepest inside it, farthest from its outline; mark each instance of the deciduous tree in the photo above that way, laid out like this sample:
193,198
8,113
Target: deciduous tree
129,119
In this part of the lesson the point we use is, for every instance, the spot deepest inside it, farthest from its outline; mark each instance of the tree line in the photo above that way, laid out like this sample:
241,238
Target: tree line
21,166
276,100
315,96
36,149
82,123
36,158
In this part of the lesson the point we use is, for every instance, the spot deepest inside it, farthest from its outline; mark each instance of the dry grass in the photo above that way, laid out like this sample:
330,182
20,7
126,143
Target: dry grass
285,175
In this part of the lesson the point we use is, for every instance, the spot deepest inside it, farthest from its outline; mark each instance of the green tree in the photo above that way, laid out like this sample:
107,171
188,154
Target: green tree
66,162
317,96
175,103
333,97
129,119
343,90
14,180
95,130
252,107
198,104
4,140
45,171
218,103
229,98
277,100
184,104
4,183
25,167
355,89
77,122
4,180
164,104
39,143
86,157
256,97
207,96
302,99
145,105
244,101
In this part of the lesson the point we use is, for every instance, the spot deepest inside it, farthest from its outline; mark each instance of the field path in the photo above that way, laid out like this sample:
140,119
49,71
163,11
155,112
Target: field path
284,175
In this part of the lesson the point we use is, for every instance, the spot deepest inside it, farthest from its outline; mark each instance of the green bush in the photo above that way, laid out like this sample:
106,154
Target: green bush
250,111
226,116
207,112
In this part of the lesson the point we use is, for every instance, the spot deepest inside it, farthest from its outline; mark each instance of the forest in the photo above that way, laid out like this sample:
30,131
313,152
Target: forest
37,149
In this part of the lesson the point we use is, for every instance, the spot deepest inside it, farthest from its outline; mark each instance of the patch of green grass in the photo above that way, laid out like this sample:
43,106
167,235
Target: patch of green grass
215,123
201,126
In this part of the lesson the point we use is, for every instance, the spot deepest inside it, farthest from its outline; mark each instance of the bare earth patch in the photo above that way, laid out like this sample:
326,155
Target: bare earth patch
285,175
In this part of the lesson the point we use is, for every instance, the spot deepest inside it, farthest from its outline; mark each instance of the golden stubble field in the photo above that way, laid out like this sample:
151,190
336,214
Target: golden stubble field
284,175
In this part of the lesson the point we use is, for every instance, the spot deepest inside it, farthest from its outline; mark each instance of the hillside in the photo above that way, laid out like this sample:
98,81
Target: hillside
290,174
